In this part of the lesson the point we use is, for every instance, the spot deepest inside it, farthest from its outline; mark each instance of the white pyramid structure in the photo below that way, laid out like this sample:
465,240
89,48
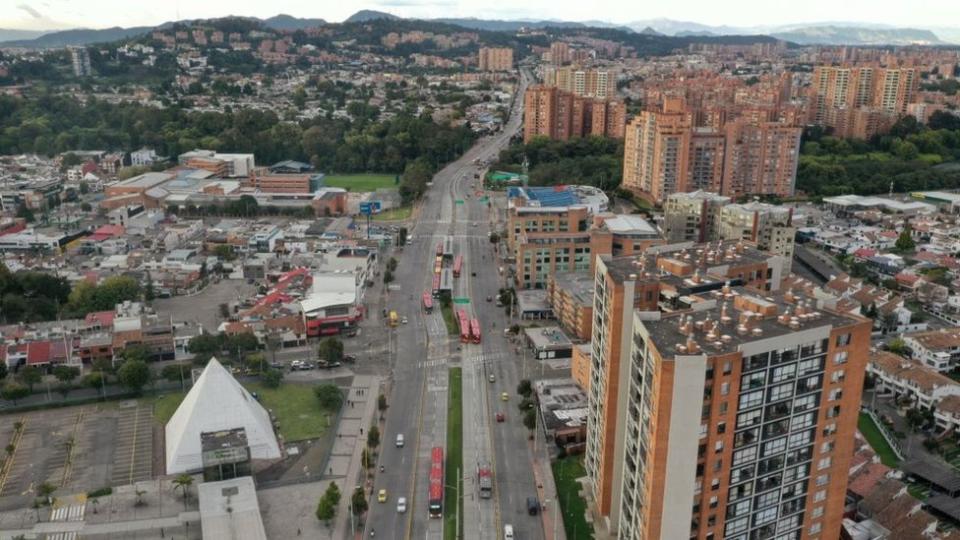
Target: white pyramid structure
216,402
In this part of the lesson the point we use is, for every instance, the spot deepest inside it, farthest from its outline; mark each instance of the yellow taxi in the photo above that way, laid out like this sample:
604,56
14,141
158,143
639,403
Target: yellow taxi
504,397
382,496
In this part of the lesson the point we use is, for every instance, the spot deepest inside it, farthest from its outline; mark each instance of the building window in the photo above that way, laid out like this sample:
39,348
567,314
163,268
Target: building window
820,496
815,528
843,340
817,512
840,357
823,480
823,464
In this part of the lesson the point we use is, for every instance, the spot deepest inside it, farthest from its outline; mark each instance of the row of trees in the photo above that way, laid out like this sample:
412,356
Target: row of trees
37,296
595,161
50,124
912,156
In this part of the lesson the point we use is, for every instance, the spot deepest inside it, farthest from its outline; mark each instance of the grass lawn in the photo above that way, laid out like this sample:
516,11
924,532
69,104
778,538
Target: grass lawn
360,182
448,319
566,471
164,406
295,406
872,433
454,468
395,214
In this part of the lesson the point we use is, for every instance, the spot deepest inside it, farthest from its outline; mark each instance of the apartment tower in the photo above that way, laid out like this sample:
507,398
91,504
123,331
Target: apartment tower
720,409
495,59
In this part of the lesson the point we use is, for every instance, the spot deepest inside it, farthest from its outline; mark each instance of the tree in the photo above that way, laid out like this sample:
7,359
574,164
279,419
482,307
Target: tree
225,252
134,375
204,346
382,402
530,419
387,277
45,490
359,502
14,392
175,372
525,388
95,381
30,375
330,350
148,292
3,370
373,437
329,396
272,378
897,346
66,374
392,264
325,511
366,459
25,213
494,238
402,237
183,483
905,242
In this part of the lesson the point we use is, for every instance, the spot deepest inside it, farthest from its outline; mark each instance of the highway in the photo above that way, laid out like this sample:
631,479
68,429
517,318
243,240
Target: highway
421,355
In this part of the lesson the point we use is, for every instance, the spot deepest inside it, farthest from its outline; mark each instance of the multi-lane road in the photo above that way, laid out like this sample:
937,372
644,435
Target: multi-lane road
422,354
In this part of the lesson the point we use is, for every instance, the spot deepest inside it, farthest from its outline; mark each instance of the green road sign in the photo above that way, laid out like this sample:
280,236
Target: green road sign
459,201
484,198
461,300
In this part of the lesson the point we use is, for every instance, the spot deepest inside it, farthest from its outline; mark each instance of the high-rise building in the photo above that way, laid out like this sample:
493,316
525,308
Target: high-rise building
656,151
559,53
554,113
80,58
495,59
717,409
760,159
585,82
836,92
692,216
663,279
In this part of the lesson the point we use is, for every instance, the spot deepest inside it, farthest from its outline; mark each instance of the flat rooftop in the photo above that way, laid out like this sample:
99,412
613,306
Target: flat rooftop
229,510
709,258
739,315
631,224
145,180
548,338
579,285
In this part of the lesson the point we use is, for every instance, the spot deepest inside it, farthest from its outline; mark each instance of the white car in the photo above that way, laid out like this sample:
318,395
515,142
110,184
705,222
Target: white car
401,505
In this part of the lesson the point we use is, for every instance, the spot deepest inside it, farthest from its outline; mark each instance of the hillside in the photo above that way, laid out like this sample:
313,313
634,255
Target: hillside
365,15
80,36
850,35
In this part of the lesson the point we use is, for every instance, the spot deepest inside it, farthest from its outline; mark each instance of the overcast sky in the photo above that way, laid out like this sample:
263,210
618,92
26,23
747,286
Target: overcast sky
50,14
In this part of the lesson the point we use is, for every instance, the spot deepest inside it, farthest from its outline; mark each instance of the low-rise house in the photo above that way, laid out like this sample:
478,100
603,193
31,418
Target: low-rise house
907,378
939,349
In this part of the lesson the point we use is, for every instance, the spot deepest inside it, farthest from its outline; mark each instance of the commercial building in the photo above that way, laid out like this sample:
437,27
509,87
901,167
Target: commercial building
666,278
571,296
495,59
693,216
221,165
559,53
739,419
559,114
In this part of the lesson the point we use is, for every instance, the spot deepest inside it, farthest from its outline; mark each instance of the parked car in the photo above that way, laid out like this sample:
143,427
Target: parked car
533,506
500,417
349,358
328,365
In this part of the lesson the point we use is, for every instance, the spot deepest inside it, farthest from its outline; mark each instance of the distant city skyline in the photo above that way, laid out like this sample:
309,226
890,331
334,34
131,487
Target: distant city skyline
62,14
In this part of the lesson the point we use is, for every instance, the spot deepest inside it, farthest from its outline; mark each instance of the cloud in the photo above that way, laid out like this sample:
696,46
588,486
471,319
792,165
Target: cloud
416,3
33,13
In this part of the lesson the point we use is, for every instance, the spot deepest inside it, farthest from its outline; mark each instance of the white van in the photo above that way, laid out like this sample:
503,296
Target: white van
399,440
508,532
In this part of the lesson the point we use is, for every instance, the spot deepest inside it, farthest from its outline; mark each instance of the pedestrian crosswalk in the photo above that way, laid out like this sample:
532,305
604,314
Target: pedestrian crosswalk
72,535
437,362
73,512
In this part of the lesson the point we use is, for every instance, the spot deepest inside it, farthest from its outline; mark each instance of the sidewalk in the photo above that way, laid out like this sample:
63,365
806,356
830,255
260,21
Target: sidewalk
347,466
547,492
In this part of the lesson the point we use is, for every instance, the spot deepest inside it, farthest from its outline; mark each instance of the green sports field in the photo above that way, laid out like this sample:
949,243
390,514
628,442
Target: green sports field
360,182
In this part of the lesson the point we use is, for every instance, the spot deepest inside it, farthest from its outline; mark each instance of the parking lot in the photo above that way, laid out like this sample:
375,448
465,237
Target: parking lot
75,449
204,308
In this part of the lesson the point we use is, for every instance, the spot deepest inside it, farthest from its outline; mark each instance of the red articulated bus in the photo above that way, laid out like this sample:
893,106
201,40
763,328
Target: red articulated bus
436,285
438,265
475,330
436,482
440,249
428,301
457,266
464,325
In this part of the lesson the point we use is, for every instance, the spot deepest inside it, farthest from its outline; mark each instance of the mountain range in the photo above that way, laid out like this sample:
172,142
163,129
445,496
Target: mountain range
828,33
